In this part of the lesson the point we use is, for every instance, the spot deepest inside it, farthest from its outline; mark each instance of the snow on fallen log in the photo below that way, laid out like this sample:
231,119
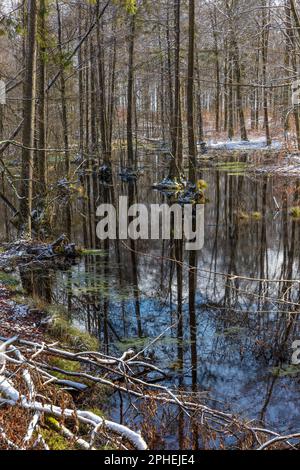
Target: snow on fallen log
3,346
13,397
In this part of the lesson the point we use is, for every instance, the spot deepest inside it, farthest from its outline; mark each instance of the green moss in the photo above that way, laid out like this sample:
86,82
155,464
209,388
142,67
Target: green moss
127,343
97,412
109,447
62,329
53,438
233,330
295,212
92,252
201,185
18,297
286,370
256,215
52,434
52,421
234,168
244,215
68,366
71,366
8,280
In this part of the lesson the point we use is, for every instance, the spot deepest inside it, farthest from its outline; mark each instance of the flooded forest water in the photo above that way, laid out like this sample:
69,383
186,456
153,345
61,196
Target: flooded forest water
235,345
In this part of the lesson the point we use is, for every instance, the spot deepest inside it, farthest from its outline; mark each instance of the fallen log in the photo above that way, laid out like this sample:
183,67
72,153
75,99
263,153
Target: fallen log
29,251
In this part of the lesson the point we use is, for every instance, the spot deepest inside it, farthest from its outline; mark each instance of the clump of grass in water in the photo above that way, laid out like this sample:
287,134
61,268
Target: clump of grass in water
233,168
62,329
243,215
286,370
256,215
295,212
94,252
202,184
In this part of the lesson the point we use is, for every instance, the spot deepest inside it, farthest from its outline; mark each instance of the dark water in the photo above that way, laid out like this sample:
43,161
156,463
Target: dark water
127,294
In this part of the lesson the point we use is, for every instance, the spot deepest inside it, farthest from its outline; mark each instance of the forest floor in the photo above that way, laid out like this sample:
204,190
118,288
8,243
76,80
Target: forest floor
19,319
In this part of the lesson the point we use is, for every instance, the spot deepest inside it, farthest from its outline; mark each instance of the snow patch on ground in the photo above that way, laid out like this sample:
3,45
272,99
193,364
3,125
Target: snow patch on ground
255,144
290,166
287,170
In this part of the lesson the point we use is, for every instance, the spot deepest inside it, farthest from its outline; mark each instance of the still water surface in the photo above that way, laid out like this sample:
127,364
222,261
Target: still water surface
127,294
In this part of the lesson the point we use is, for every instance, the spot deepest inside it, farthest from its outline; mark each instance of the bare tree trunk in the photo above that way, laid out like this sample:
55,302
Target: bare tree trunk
41,107
64,116
225,123
217,65
81,125
294,62
170,84
239,101
234,51
162,89
102,96
177,131
288,46
173,165
176,148
230,128
254,95
63,95
80,86
199,107
130,154
265,39
192,150
29,118
111,104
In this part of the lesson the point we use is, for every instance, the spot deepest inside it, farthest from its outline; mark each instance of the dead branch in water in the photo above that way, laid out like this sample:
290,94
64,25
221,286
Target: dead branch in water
26,373
12,383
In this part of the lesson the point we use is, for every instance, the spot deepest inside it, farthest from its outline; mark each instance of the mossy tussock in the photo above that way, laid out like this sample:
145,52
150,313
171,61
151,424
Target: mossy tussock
52,435
61,328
